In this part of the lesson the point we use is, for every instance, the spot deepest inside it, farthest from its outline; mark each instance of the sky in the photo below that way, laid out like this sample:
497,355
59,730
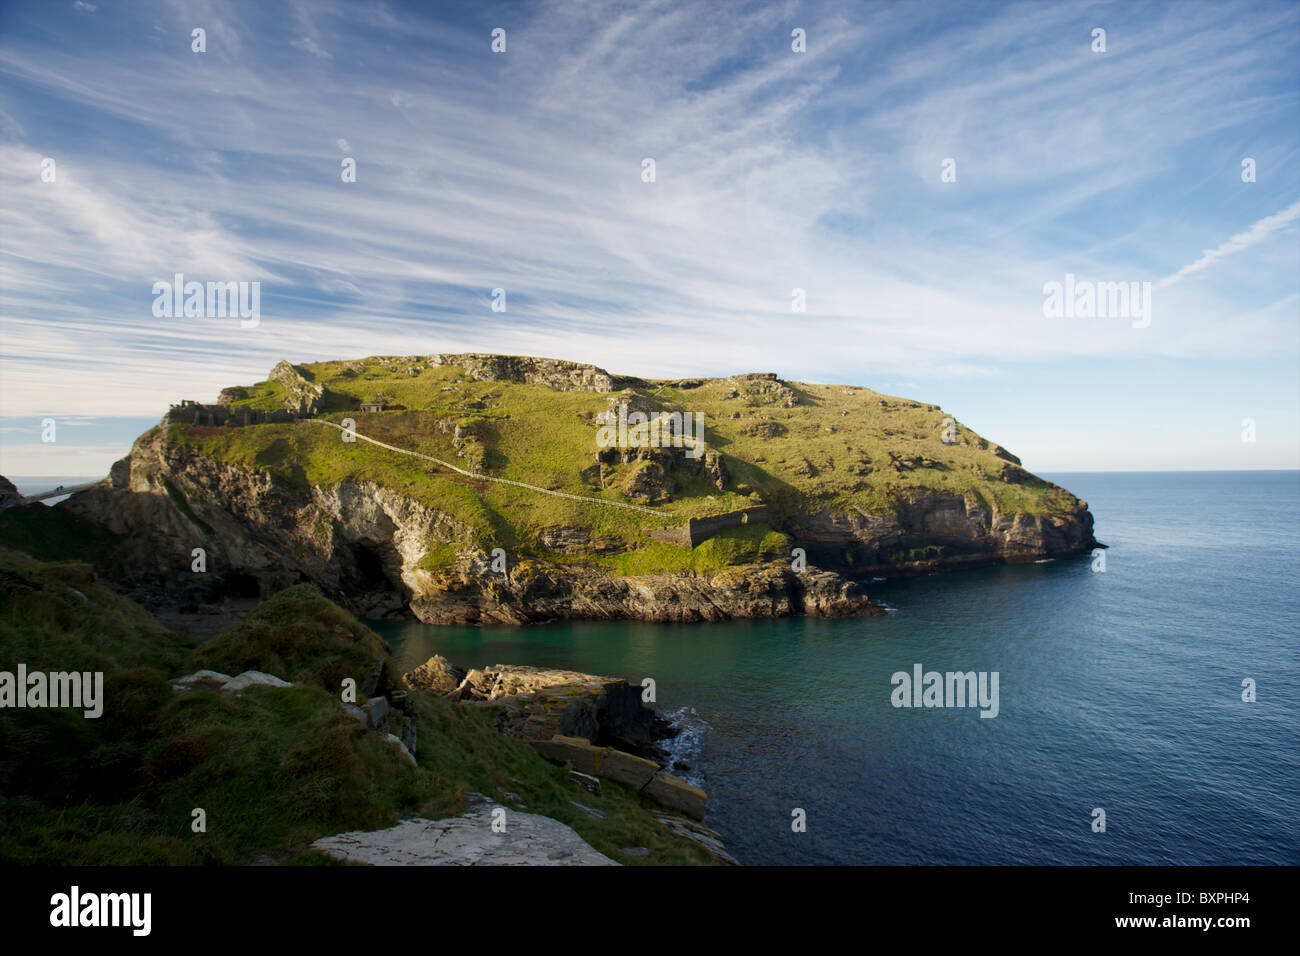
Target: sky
922,171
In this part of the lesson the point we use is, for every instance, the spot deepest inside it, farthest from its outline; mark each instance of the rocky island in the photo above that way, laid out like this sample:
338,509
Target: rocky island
474,489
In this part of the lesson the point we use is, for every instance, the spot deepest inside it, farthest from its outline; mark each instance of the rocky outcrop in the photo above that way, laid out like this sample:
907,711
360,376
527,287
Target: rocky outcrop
438,676
10,496
939,531
359,542
554,373
633,772
526,839
538,703
598,726
302,397
529,592
710,840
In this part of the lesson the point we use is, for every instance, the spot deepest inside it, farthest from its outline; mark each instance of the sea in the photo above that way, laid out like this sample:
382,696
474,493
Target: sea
1148,704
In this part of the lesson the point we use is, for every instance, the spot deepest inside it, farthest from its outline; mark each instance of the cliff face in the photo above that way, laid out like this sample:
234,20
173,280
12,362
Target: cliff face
532,592
361,543
357,541
941,531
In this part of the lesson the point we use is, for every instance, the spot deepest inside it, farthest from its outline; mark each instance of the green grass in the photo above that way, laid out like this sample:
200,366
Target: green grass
840,448
272,768
55,534
748,544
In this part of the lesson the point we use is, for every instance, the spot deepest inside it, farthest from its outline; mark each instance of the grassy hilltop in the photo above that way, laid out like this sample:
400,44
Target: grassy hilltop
794,446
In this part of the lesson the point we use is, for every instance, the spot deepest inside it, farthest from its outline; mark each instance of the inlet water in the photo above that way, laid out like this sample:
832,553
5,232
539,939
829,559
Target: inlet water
1119,690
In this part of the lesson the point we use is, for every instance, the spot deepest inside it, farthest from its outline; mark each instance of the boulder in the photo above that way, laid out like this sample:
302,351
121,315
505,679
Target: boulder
377,713
710,840
581,755
631,771
578,753
676,793
468,840
202,680
252,679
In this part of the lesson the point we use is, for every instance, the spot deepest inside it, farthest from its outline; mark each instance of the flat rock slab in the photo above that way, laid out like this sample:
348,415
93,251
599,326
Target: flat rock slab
252,679
468,840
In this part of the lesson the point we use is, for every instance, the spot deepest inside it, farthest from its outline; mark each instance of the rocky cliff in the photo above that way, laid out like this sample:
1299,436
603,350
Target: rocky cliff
842,484
361,543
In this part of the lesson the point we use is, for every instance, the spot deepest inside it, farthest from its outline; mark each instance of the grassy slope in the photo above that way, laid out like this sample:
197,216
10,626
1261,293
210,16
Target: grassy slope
274,769
833,449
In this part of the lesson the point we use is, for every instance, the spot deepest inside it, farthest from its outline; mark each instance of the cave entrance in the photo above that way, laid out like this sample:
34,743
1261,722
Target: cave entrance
371,568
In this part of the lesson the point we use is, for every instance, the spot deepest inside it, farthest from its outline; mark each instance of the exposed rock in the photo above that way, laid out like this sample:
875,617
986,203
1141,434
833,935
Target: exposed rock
437,675
303,397
627,769
213,680
764,429
378,713
764,388
359,542
555,373
468,840
649,483
674,792
540,703
9,494
956,531
252,679
711,840
578,541
201,680
540,593
590,811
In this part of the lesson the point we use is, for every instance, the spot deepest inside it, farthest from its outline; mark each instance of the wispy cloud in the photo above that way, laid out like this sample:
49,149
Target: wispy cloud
774,171
1259,232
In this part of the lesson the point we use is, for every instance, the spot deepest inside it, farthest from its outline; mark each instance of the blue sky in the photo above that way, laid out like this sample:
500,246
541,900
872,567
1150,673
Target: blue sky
775,170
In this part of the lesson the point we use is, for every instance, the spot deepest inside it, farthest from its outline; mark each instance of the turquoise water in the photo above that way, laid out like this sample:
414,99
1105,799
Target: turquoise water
1118,690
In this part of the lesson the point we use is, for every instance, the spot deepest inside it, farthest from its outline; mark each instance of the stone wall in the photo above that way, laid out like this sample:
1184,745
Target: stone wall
697,530
195,413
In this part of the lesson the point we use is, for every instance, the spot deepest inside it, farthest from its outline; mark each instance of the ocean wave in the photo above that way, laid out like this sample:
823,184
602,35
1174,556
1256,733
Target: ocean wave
686,750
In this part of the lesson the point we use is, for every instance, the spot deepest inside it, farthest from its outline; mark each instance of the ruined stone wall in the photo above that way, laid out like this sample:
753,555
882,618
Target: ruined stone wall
697,530
194,413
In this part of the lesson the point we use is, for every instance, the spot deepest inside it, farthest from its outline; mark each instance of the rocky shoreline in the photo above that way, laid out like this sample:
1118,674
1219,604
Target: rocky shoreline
599,728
